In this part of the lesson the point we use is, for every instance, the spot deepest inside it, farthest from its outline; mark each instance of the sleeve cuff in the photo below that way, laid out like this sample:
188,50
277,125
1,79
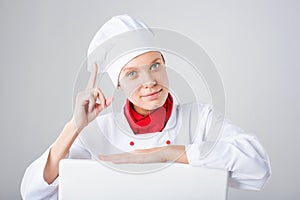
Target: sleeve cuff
193,154
33,183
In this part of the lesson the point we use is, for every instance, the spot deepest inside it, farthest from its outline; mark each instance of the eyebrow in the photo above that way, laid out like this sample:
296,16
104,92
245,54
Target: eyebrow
155,60
135,67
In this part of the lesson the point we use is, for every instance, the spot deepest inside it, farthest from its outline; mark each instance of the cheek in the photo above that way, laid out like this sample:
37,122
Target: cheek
132,87
131,93
134,97
162,79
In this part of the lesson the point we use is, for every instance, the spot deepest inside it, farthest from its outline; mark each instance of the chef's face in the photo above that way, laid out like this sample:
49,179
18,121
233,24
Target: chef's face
145,82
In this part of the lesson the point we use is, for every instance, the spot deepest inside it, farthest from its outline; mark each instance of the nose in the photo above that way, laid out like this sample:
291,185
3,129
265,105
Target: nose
149,81
149,84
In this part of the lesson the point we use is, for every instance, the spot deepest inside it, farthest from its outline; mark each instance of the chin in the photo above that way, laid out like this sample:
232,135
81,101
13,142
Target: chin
154,104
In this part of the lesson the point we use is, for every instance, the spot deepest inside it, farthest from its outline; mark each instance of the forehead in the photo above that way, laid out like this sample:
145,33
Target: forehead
143,59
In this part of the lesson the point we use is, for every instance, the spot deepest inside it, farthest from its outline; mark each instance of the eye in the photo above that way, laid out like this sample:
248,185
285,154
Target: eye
154,66
131,75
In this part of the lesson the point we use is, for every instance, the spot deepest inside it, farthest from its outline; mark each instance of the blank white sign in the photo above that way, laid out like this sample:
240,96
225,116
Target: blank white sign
88,179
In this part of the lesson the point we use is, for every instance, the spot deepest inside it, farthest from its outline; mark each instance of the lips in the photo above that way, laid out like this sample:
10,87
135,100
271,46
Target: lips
153,93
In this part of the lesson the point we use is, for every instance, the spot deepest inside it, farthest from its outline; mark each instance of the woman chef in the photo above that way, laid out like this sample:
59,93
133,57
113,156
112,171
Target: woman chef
149,109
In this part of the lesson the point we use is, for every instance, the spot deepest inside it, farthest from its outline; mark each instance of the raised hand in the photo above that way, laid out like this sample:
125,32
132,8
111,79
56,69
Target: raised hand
86,107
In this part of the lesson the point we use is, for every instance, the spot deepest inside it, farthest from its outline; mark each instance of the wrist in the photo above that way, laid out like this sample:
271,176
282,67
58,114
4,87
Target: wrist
169,153
73,127
175,153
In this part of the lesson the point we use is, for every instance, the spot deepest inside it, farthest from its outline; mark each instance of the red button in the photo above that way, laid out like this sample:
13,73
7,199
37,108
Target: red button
131,143
168,142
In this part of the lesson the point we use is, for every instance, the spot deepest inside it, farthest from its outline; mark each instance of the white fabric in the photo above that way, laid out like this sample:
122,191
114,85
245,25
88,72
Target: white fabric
236,151
116,26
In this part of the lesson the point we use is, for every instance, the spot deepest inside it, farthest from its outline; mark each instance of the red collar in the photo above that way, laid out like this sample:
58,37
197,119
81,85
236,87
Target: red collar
153,122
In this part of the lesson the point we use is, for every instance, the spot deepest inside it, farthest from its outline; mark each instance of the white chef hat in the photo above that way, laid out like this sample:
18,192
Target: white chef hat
116,26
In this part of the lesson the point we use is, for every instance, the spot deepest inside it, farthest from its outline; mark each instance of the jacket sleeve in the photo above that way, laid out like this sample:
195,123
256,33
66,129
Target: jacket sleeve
235,151
34,186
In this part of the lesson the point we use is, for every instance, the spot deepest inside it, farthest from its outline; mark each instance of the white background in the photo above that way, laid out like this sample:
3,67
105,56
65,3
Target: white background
254,44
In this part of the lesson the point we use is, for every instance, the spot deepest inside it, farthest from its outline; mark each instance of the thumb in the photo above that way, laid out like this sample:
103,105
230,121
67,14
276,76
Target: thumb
99,107
109,101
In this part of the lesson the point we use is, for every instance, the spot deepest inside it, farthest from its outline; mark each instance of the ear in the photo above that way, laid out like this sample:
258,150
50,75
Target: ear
119,87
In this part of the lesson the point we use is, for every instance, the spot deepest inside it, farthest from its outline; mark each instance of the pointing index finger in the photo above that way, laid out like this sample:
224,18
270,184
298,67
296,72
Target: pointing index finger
93,77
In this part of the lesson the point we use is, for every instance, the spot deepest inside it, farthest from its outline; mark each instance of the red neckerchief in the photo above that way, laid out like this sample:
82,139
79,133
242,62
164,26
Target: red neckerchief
153,122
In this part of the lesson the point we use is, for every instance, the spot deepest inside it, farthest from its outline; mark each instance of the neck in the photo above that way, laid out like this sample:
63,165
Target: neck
141,111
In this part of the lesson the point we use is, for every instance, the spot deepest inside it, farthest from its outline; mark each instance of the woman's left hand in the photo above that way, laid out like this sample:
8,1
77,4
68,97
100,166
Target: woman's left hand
173,153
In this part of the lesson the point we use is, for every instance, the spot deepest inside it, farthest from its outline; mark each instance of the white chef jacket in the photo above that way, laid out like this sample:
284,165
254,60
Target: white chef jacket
236,151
